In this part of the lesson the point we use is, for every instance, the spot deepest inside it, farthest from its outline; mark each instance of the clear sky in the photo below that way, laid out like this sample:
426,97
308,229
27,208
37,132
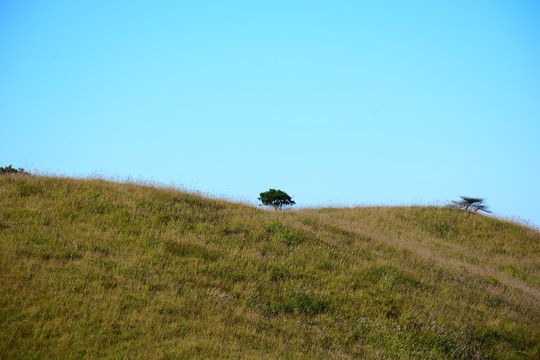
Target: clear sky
336,102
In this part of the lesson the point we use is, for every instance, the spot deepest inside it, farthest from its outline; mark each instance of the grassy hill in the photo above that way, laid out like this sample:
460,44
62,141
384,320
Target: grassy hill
94,269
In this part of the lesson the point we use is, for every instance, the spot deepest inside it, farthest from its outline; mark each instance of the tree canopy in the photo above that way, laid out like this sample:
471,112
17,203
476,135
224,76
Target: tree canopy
276,198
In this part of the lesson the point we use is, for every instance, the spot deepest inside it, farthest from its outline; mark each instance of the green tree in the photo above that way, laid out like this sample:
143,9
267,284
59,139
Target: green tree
276,198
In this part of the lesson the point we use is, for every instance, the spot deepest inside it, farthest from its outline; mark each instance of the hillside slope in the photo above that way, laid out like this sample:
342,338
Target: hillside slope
94,269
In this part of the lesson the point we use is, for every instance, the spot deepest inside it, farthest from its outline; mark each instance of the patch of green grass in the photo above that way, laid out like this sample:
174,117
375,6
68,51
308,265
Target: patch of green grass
282,233
296,302
190,250
512,271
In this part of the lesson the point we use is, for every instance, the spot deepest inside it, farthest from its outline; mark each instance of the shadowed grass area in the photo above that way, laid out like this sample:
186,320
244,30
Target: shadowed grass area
95,269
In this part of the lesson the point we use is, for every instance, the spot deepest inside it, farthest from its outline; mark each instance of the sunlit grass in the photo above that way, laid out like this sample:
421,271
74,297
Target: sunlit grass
96,269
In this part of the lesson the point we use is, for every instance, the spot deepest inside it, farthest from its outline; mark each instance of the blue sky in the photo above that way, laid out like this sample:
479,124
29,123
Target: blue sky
337,103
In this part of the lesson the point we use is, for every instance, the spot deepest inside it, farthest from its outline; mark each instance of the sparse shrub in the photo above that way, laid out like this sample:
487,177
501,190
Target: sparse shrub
11,170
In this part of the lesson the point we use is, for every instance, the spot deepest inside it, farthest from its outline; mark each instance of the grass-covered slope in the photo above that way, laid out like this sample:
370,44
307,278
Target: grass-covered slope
93,269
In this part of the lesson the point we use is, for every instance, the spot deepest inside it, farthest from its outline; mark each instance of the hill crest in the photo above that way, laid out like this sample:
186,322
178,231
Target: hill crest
96,269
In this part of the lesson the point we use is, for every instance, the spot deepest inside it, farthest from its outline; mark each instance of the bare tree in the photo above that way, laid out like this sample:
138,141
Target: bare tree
473,204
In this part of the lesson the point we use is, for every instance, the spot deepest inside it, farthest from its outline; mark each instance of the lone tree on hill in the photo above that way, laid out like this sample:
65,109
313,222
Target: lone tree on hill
276,198
468,203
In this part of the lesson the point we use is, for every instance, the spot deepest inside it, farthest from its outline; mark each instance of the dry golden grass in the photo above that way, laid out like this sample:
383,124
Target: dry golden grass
95,269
